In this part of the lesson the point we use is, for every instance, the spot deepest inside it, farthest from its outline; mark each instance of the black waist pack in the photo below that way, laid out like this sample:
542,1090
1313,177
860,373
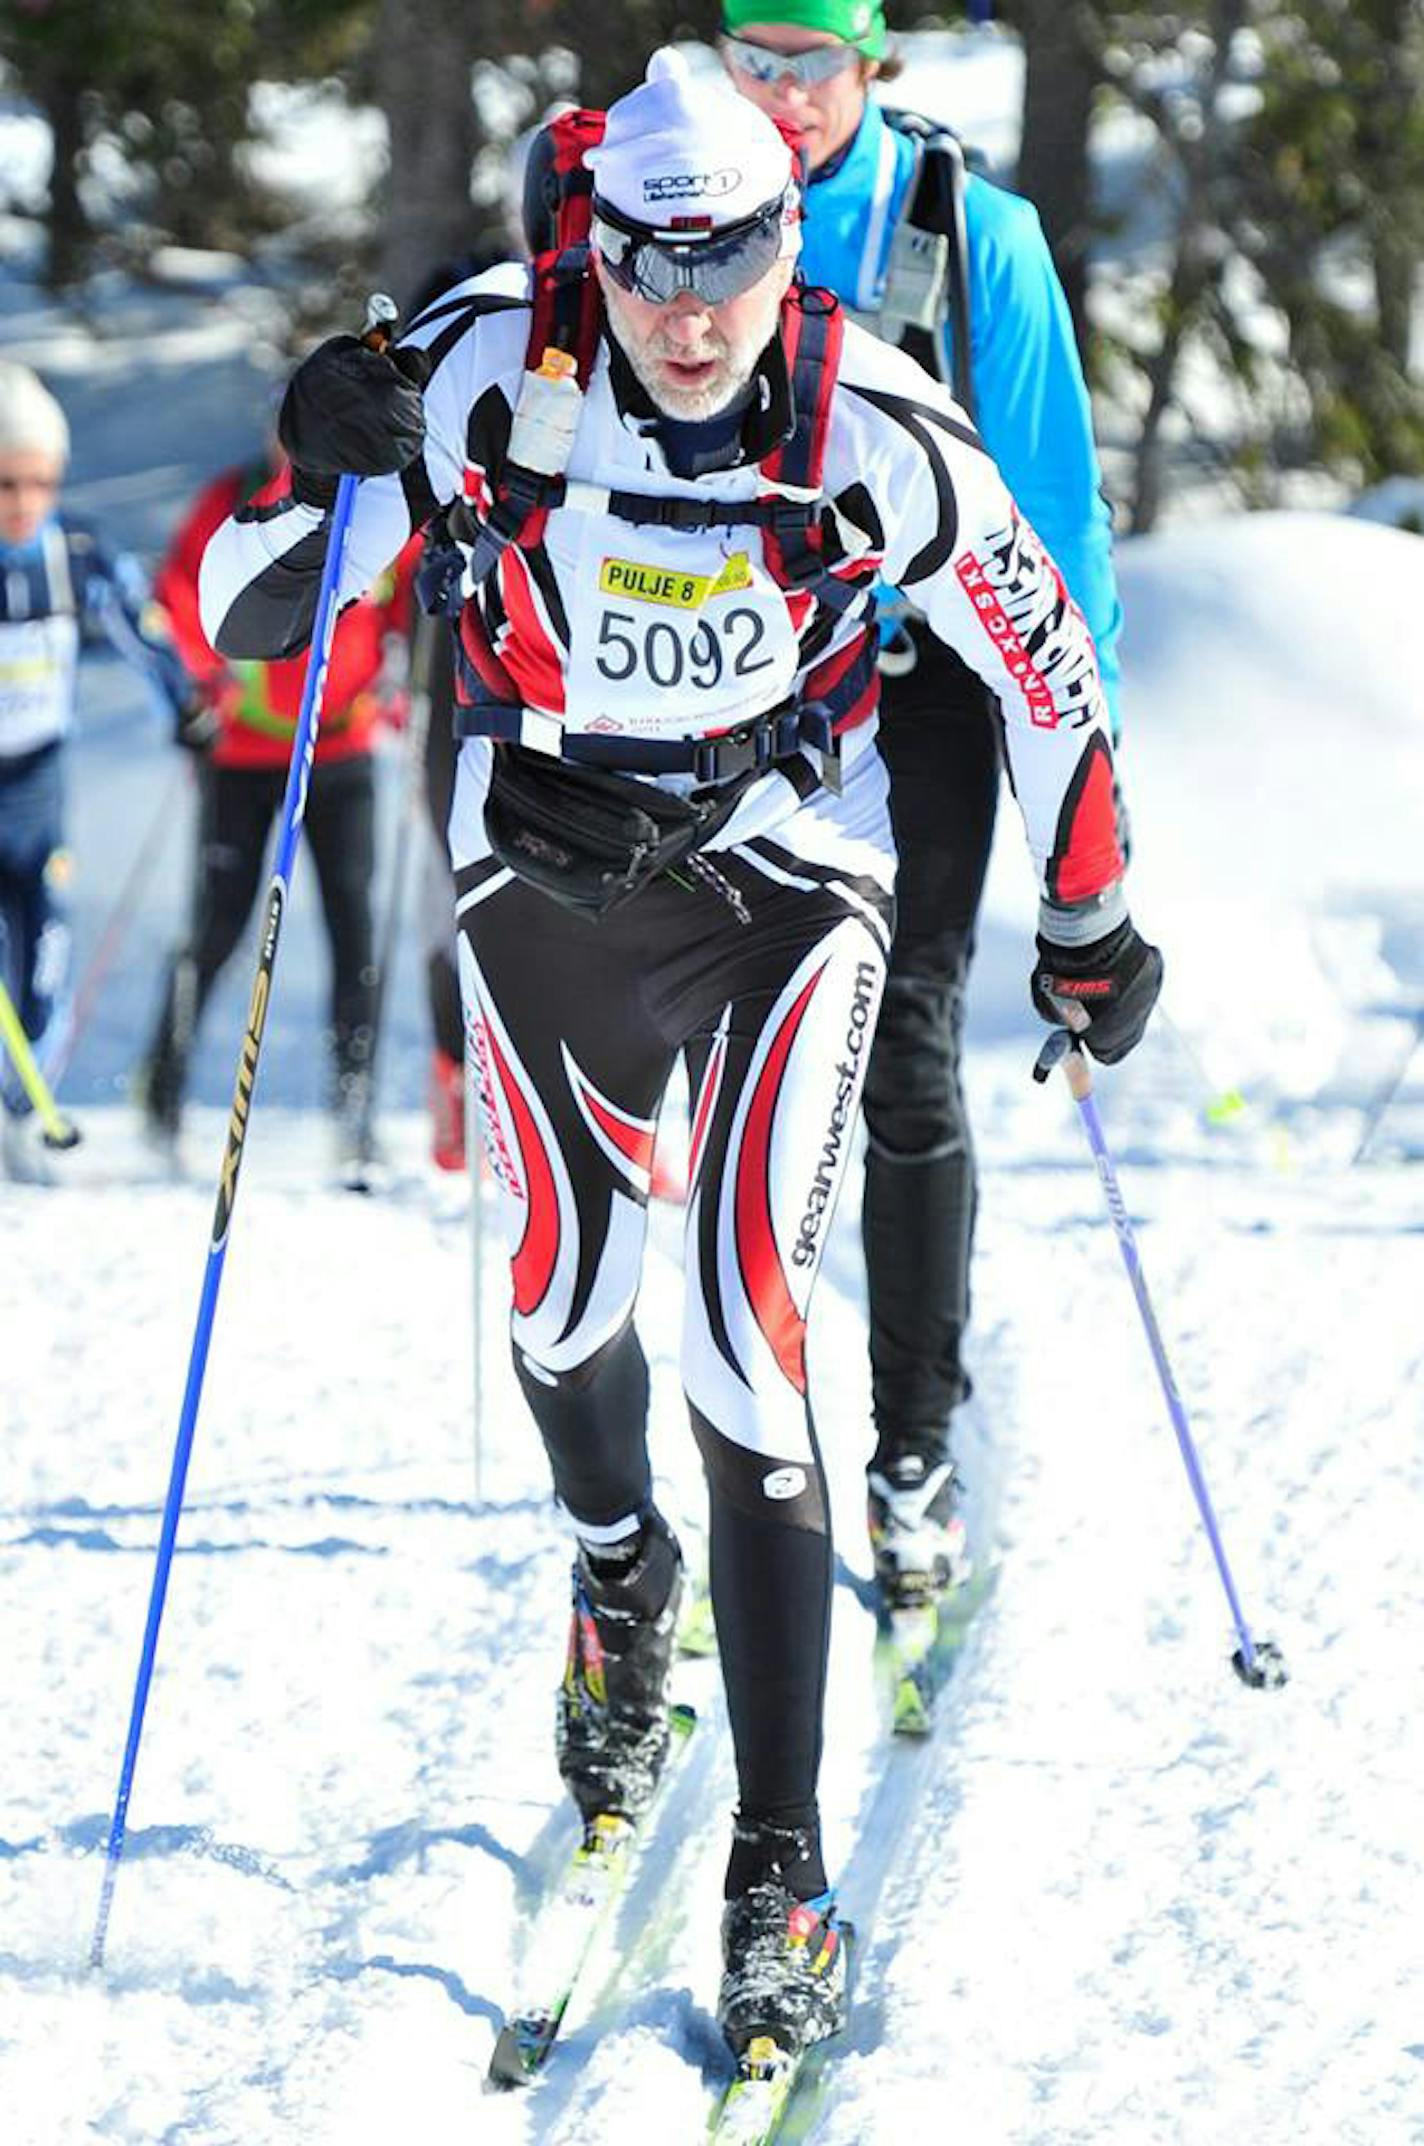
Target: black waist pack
589,838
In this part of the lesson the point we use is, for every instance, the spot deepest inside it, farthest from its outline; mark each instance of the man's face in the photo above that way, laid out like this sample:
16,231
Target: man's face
29,479
694,358
827,113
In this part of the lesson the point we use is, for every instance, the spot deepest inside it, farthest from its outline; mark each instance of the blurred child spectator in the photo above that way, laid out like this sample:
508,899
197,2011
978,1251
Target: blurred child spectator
60,588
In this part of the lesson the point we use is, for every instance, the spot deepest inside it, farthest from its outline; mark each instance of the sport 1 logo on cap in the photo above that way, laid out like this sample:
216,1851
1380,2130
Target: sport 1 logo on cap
681,185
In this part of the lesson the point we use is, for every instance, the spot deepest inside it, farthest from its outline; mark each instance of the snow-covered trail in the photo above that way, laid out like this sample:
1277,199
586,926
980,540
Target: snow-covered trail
1135,1902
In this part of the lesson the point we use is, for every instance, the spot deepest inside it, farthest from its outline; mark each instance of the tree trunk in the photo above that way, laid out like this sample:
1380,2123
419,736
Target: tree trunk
425,50
1061,74
1395,268
67,223
1147,460
1391,231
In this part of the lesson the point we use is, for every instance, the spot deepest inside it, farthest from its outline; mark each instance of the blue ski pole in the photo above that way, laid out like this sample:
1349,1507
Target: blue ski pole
381,315
1258,1662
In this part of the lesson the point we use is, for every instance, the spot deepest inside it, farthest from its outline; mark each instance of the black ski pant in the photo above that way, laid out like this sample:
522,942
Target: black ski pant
575,1028
441,978
237,810
939,736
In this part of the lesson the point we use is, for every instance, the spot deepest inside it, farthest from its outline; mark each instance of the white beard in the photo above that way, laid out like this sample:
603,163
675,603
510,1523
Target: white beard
736,358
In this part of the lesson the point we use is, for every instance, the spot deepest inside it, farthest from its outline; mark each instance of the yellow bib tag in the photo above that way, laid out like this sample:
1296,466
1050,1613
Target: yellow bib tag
660,585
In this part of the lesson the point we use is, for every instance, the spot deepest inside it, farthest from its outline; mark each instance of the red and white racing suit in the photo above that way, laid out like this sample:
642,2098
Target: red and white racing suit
766,972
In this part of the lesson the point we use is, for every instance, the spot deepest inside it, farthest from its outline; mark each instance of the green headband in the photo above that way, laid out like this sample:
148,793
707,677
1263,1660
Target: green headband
856,22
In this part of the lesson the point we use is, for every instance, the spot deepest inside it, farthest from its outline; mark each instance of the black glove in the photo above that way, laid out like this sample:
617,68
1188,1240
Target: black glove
1115,980
197,725
351,411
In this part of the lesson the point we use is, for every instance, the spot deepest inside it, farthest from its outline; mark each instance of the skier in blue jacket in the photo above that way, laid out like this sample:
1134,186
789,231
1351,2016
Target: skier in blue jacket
60,587
958,271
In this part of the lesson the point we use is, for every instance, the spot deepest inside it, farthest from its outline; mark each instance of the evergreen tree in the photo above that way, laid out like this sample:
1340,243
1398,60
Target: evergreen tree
170,84
1333,184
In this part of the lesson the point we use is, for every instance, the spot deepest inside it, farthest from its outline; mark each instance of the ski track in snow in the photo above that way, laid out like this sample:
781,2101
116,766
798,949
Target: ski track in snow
1120,1900
1134,1901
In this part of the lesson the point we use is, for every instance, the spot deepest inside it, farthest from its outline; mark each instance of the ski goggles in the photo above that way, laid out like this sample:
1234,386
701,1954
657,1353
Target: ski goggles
765,67
656,264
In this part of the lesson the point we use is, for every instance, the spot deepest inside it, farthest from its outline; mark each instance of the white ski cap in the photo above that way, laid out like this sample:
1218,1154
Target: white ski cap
30,418
688,146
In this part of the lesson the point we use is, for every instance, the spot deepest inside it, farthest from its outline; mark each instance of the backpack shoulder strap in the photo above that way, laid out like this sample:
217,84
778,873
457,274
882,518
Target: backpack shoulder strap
567,311
558,221
934,204
565,315
812,332
557,205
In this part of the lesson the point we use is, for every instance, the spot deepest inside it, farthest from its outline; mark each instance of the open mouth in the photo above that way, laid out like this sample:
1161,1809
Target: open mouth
690,372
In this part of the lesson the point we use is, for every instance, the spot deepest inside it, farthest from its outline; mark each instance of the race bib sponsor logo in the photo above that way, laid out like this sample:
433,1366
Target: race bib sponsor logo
658,585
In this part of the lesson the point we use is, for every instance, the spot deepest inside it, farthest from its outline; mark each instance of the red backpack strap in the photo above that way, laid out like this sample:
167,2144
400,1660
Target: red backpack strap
557,207
566,302
566,313
812,332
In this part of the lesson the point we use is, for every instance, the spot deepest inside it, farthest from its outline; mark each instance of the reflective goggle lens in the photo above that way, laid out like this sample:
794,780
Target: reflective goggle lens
806,69
657,267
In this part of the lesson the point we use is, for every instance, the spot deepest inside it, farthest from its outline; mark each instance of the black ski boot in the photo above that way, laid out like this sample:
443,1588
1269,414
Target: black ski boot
916,1534
163,1076
784,1958
356,1153
612,1731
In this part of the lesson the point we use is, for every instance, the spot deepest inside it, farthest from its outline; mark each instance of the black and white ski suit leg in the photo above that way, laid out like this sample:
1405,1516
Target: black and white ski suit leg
576,1028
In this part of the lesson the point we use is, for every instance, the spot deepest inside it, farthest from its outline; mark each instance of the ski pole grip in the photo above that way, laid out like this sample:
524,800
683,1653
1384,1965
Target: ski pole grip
1077,1070
382,315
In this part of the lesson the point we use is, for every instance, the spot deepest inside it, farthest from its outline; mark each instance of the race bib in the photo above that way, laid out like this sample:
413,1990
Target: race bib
37,665
674,635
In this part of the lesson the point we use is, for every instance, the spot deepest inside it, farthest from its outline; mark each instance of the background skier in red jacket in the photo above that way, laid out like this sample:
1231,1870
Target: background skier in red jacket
243,731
